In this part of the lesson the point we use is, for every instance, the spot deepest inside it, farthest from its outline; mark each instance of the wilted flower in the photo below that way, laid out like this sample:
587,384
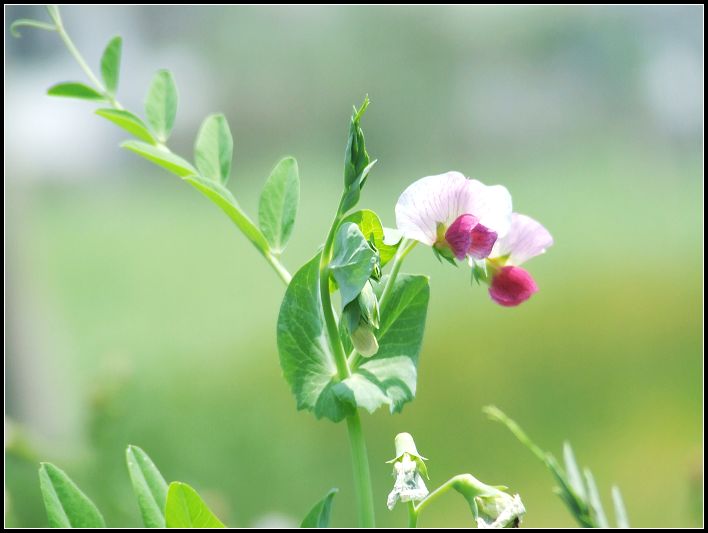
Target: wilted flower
511,285
408,466
458,217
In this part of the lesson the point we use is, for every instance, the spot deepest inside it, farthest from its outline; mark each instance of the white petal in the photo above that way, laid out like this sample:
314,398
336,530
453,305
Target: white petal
491,204
431,201
526,238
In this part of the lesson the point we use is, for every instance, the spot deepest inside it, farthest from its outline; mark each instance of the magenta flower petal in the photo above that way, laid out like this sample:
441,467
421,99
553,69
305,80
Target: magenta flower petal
511,286
483,240
459,234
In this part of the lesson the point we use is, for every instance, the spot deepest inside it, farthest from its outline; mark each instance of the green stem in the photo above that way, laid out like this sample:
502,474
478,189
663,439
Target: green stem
412,515
274,262
362,475
360,461
442,489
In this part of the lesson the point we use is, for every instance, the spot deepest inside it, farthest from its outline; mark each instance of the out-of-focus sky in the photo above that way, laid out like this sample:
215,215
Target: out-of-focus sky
136,314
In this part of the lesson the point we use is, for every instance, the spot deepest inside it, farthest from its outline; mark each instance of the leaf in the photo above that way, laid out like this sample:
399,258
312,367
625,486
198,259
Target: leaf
353,261
319,515
222,197
620,511
161,157
161,104
594,500
29,23
186,509
278,203
214,148
110,64
305,355
74,89
129,122
357,163
389,377
66,505
370,226
573,472
149,487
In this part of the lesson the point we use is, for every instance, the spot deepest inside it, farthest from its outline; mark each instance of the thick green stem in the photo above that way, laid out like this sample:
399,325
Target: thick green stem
280,270
360,460
362,475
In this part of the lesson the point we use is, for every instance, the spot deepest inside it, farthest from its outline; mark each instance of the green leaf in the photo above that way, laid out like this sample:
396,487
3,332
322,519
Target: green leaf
319,515
620,511
149,487
305,355
353,261
598,512
161,104
222,197
74,89
186,509
161,157
129,122
214,148
278,203
29,23
66,505
370,225
389,377
110,64
573,472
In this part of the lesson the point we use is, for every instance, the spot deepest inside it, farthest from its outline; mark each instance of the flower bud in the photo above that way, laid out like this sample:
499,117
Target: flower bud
492,507
511,286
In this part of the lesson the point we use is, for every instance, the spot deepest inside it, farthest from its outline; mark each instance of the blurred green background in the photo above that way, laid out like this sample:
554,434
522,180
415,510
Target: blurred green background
136,313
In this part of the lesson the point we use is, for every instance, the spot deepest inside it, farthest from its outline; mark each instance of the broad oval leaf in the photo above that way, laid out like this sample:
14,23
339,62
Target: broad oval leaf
149,486
110,64
278,203
186,509
305,355
129,122
161,157
319,515
74,89
372,229
389,377
214,148
353,261
161,104
222,197
66,504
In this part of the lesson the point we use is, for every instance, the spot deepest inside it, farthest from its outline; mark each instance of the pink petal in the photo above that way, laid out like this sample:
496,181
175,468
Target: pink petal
483,240
459,235
430,201
491,204
511,286
526,238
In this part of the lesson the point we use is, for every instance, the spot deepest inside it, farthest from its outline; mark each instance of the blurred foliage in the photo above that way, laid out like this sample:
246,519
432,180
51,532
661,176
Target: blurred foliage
136,314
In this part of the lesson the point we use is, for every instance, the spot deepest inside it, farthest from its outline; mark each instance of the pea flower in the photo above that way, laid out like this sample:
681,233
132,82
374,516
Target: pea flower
510,284
408,466
458,217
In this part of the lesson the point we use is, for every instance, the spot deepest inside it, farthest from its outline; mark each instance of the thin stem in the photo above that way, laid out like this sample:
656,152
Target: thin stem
412,515
442,489
280,270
